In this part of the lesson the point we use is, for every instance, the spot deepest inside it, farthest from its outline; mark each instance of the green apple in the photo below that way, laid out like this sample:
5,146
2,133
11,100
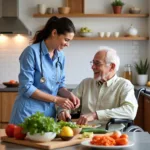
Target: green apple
85,29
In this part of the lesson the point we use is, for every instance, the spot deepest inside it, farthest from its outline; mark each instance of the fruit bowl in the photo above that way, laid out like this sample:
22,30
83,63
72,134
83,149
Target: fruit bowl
76,130
64,10
8,84
86,34
66,138
48,136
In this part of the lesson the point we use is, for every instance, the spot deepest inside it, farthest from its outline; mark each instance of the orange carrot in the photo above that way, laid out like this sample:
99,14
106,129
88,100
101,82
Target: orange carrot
115,135
124,136
121,141
112,140
103,140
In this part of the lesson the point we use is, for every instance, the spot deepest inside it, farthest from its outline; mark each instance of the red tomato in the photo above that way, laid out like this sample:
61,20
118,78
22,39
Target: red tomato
18,133
10,130
12,81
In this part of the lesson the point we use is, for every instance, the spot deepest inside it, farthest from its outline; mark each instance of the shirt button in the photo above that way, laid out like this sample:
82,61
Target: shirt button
52,87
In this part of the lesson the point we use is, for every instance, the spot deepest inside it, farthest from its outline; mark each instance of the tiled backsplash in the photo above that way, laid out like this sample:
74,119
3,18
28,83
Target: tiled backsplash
78,56
10,50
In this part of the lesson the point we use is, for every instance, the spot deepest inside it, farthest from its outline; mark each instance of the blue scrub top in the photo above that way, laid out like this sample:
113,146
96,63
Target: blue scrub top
29,81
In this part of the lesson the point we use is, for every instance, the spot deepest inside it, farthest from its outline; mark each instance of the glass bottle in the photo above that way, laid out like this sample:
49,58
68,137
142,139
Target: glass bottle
127,72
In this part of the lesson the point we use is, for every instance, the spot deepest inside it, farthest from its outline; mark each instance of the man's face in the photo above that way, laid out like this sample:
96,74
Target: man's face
100,68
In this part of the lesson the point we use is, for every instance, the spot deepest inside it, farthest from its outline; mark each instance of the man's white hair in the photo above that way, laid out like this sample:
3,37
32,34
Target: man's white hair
111,56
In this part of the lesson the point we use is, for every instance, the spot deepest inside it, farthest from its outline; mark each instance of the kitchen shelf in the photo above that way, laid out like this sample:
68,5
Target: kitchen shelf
113,38
93,15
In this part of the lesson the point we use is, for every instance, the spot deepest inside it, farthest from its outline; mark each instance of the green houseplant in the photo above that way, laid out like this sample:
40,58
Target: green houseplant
117,6
142,68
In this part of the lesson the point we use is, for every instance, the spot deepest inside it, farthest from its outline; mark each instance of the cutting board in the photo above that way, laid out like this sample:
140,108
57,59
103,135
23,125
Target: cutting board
56,143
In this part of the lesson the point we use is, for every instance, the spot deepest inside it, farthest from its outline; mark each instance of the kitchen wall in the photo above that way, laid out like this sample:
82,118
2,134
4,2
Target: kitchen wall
80,53
149,35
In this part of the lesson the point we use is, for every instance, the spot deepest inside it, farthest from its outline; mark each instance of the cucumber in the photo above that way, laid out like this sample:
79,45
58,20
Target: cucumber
94,130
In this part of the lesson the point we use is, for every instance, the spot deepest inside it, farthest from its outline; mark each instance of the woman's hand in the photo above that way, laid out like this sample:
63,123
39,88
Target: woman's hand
75,100
64,103
65,93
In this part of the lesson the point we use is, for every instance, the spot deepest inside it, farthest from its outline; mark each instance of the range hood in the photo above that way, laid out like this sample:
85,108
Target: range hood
9,20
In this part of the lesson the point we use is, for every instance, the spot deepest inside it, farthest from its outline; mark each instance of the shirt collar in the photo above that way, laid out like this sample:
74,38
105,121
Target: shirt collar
107,83
45,50
110,81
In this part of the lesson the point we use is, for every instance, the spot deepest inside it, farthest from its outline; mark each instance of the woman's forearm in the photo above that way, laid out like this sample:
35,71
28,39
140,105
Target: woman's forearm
40,95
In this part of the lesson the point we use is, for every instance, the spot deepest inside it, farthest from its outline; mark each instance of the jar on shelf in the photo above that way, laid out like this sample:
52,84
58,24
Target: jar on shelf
127,72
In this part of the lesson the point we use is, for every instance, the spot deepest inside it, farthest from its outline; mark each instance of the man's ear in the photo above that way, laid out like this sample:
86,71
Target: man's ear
54,32
113,66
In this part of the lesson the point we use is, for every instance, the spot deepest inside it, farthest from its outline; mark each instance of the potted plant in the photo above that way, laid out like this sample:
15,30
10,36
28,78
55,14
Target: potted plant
117,6
142,69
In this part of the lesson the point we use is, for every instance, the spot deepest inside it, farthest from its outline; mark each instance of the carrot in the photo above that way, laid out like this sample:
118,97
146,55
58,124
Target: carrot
103,140
124,136
121,141
115,135
112,140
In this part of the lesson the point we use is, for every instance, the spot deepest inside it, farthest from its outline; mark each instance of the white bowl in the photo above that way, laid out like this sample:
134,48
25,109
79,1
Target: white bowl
48,136
86,34
76,130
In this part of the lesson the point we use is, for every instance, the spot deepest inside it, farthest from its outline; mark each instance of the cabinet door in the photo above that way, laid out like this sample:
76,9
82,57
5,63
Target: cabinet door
147,113
0,107
2,133
3,125
139,119
8,99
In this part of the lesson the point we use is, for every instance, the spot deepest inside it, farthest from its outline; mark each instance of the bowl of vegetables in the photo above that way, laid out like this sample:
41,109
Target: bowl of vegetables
47,136
40,128
76,129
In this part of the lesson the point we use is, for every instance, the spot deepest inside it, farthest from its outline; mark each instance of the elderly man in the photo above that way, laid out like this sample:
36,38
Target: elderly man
106,95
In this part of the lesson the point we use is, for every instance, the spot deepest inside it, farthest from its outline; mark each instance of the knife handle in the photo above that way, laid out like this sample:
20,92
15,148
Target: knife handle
68,120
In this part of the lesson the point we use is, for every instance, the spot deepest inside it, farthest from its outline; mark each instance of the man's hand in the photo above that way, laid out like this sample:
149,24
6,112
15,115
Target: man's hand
84,119
64,115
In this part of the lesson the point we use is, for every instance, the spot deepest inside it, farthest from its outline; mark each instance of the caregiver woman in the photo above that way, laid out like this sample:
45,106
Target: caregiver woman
42,76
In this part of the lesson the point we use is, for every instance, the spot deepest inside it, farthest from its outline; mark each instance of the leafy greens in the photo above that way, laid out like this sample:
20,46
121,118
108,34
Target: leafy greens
38,123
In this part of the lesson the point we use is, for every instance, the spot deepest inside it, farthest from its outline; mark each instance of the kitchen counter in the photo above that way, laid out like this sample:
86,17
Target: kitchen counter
69,86
137,87
15,89
3,88
141,140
